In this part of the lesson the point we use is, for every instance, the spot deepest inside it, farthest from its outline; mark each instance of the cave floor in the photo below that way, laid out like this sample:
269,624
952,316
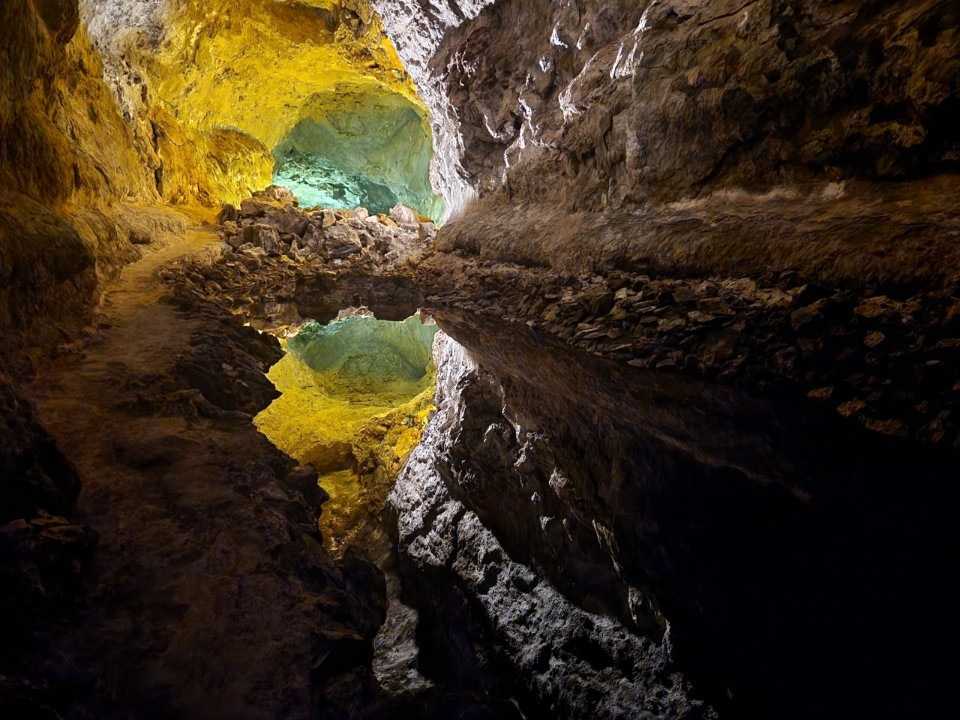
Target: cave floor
190,608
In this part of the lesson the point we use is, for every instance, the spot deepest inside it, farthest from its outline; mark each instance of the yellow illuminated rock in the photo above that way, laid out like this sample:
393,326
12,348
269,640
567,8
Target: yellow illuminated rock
356,414
216,122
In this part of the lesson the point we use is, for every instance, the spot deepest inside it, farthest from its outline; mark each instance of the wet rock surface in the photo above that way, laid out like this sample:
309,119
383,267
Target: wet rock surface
649,514
852,328
746,542
754,195
606,104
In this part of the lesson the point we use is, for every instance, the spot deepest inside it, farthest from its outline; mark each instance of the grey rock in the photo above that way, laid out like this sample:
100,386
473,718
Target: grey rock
340,241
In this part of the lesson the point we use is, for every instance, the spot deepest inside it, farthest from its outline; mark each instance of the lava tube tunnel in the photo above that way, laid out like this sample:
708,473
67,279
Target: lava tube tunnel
359,149
487,359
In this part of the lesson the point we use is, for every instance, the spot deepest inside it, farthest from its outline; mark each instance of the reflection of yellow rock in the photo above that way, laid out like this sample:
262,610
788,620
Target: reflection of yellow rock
357,432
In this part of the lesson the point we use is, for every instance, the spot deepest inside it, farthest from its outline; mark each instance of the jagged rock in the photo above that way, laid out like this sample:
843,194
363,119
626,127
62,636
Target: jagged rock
34,474
289,219
304,479
878,307
427,231
810,319
277,194
252,209
263,236
328,218
340,241
403,215
228,213
43,557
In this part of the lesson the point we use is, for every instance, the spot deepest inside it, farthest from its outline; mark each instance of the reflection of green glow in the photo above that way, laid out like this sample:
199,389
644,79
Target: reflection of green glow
338,378
359,149
378,351
356,395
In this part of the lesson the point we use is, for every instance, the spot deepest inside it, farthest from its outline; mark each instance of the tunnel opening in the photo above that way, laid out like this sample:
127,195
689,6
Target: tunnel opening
359,148
355,397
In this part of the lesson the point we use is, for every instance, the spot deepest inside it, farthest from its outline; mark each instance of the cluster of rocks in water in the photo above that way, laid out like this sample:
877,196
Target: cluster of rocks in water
890,362
279,260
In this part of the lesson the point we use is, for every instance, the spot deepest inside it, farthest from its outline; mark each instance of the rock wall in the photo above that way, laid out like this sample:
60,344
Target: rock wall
611,527
781,144
72,173
191,77
597,105
417,28
572,662
61,137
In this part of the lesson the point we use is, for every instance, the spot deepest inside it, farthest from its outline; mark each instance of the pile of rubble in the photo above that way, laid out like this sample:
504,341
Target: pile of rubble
271,225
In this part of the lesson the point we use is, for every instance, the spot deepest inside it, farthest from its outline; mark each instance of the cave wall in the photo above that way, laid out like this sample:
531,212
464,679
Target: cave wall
191,79
792,144
73,175
614,527
61,137
595,105
417,28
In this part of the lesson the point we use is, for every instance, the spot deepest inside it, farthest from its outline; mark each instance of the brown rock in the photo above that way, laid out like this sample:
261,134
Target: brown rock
228,213
340,241
873,339
877,307
809,320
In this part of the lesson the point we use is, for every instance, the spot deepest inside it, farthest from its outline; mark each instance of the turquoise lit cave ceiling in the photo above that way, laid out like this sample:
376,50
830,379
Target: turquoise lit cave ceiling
359,148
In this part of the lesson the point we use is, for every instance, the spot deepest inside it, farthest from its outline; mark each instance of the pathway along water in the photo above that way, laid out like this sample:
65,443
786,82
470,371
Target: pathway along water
781,550
210,595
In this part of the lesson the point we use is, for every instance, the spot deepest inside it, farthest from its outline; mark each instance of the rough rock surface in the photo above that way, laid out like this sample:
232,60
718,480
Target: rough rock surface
61,135
417,28
757,193
790,299
563,502
44,556
591,104
75,184
189,78
746,540
573,663
283,265
210,593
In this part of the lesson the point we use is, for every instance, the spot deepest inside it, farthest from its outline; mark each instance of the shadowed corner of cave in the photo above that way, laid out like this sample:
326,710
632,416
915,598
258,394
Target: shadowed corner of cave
479,359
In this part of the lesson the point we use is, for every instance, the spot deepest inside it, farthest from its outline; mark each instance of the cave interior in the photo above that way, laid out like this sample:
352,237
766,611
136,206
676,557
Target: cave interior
479,359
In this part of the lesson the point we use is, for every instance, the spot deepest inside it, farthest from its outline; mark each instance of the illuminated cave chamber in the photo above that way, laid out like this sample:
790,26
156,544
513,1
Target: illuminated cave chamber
225,97
359,148
356,394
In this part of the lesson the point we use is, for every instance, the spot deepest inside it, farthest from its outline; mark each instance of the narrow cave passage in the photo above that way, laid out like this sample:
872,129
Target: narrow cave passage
688,443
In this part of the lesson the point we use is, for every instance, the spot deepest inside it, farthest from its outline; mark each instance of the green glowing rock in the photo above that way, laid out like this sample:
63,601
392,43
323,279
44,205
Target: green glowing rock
376,351
355,398
315,181
357,148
